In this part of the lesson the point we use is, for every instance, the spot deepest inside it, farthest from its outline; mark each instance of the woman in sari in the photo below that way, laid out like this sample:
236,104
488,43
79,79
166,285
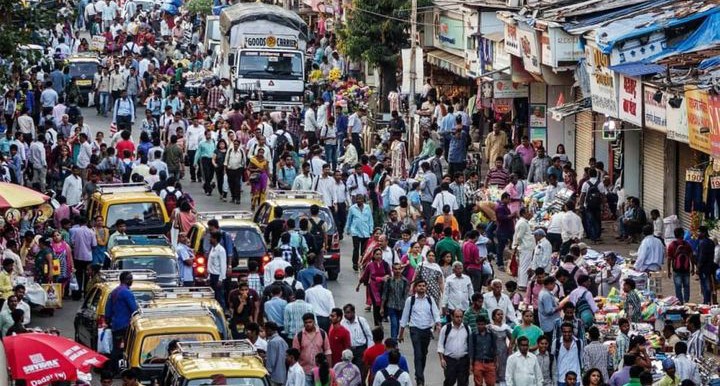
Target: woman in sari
346,373
102,235
431,272
184,217
372,243
373,277
412,260
259,170
63,253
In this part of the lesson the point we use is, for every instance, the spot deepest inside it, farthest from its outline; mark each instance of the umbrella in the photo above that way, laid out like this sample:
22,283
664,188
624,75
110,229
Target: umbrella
17,196
40,358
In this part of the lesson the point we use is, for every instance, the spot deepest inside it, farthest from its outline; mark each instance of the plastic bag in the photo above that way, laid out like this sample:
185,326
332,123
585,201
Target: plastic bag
226,185
91,99
105,341
74,286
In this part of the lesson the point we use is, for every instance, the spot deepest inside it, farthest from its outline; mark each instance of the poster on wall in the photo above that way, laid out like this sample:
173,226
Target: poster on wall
630,100
603,83
509,89
714,136
449,32
538,92
502,105
538,136
529,50
654,109
512,43
698,120
538,117
677,120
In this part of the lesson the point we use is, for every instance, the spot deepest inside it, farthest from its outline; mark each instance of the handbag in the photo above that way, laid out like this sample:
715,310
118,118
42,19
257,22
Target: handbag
514,265
105,341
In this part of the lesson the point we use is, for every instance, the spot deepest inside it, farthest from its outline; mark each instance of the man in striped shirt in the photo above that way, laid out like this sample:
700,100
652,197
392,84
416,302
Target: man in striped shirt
497,176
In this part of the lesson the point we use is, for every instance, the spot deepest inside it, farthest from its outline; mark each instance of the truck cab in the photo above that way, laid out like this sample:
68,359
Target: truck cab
263,53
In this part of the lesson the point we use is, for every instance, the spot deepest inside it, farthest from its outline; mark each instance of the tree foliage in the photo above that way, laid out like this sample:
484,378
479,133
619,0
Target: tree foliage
201,7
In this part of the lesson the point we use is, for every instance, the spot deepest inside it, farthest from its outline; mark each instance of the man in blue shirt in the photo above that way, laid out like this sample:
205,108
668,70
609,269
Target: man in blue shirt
124,112
457,152
382,361
119,309
306,275
48,99
341,127
58,80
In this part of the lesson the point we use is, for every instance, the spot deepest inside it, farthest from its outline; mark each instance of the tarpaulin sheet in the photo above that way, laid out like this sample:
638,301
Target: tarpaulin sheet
245,12
709,63
643,24
706,36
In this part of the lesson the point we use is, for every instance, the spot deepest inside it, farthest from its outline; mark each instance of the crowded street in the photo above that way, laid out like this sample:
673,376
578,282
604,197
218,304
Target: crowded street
359,193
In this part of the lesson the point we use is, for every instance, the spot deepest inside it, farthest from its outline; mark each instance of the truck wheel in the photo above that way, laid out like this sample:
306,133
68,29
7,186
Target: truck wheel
333,275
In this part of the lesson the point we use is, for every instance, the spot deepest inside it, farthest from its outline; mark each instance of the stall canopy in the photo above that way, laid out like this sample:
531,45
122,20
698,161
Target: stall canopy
447,61
17,196
246,12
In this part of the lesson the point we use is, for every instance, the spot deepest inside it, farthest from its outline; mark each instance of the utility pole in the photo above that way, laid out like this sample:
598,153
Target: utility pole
413,77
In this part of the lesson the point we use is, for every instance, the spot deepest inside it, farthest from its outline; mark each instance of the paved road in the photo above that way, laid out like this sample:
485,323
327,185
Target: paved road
343,289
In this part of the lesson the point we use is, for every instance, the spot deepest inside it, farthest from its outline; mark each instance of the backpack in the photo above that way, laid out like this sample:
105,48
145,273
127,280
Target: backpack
593,197
412,304
171,200
322,333
318,234
583,310
391,380
681,260
517,166
280,143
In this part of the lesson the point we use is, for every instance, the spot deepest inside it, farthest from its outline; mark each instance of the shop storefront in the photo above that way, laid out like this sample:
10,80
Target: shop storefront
658,153
451,50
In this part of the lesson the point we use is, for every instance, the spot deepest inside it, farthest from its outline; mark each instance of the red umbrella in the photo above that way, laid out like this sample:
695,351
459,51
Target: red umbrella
41,358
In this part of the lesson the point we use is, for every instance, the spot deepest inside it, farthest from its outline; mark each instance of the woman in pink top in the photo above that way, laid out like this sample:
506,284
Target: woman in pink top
374,275
515,194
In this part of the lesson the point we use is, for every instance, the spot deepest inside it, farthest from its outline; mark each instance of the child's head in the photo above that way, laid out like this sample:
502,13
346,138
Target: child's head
570,378
510,286
654,214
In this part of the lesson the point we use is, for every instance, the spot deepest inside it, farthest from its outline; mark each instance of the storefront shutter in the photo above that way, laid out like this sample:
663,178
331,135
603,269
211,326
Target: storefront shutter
583,140
685,160
653,180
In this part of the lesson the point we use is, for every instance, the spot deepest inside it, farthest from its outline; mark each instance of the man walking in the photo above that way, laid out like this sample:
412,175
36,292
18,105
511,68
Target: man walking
567,352
522,367
680,265
421,316
458,290
523,246
453,348
360,336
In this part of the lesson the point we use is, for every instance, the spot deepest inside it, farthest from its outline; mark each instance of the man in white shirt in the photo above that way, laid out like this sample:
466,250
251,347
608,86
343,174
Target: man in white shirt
453,350
390,255
542,253
360,335
393,192
217,266
355,127
195,134
571,228
317,163
350,157
72,187
278,262
325,185
311,125
393,370
458,289
523,244
83,160
38,161
497,300
295,374
445,197
322,301
304,180
523,368
357,182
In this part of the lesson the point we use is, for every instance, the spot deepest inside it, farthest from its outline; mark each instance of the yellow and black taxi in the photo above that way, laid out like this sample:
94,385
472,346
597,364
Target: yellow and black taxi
143,210
234,362
91,315
246,236
82,68
152,252
152,329
179,297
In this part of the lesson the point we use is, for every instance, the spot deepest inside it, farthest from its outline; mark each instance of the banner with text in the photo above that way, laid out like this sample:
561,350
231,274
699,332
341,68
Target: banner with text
698,120
655,112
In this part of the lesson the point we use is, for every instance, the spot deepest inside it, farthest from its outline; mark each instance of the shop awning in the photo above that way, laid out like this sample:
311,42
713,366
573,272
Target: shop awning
638,69
447,61
558,113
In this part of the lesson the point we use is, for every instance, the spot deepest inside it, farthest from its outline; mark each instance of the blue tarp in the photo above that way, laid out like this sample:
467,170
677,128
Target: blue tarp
641,25
638,69
706,36
709,63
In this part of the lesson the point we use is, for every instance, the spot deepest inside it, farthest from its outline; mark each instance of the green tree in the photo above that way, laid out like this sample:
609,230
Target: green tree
375,32
21,23
201,7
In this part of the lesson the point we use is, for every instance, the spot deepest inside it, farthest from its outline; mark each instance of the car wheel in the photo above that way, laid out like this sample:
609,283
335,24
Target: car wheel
333,275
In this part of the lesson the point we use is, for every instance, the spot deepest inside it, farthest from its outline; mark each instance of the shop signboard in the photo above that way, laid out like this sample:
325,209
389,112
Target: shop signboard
714,112
530,50
485,55
630,100
512,41
698,120
449,32
635,50
508,89
559,48
677,121
538,115
603,82
654,112
502,105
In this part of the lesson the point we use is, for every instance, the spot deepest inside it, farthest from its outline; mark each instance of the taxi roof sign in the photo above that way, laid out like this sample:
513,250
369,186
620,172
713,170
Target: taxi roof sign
236,215
217,349
138,274
137,187
174,309
185,293
293,194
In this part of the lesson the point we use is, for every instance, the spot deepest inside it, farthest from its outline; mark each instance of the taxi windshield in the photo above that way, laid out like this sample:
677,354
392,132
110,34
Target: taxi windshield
135,213
154,347
162,265
247,241
222,380
143,296
299,212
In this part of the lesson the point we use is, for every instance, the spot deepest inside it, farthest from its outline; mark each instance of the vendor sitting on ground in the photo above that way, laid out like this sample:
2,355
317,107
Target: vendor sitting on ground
632,220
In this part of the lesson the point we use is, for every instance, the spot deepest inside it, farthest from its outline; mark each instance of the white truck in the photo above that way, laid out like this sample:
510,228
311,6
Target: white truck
262,52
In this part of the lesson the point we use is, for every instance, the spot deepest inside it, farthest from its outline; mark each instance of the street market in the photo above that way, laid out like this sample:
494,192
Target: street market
359,193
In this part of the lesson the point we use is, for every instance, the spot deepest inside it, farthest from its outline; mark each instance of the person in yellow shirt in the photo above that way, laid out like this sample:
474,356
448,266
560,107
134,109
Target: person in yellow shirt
495,143
6,283
670,378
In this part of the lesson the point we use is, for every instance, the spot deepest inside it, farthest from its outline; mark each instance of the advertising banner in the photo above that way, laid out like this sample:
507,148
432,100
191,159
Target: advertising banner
698,120
630,100
655,112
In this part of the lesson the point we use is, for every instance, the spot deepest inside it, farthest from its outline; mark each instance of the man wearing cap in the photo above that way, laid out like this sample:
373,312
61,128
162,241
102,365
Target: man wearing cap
670,378
542,253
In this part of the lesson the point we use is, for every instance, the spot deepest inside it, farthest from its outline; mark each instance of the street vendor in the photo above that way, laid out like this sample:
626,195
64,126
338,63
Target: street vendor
609,278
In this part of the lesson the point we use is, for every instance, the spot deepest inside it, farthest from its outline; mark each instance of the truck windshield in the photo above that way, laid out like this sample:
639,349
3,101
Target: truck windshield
271,65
